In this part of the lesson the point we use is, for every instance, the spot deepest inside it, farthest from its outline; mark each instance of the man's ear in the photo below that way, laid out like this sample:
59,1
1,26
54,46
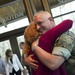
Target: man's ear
50,18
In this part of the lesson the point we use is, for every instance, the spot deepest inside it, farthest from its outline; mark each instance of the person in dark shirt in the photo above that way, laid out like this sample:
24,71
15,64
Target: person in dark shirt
22,58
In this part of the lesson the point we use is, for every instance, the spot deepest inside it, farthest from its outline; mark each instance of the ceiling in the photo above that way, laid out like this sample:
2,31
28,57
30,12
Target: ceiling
12,10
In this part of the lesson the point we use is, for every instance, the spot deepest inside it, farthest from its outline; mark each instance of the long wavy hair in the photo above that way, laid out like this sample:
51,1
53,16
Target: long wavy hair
8,51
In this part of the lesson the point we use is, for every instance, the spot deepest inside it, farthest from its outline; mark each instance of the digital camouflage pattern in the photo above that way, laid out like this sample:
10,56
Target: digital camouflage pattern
67,40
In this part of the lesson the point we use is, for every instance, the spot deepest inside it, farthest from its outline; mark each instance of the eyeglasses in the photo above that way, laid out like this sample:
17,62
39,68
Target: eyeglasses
38,23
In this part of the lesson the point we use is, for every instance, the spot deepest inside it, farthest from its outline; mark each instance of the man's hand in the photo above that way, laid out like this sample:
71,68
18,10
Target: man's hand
31,62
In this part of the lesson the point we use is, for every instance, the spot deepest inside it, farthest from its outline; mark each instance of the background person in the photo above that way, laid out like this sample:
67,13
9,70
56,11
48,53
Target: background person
13,64
22,59
21,45
2,67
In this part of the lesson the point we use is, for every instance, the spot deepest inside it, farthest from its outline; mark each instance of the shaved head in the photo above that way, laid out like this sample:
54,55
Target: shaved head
43,14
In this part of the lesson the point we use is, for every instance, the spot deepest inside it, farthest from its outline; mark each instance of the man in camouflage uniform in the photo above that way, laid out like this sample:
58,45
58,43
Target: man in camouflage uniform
67,41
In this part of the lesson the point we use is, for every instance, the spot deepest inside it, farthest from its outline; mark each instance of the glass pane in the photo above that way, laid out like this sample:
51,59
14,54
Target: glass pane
64,17
68,7
4,45
60,15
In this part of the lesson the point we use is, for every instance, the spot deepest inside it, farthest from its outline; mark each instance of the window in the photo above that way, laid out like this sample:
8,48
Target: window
4,45
63,12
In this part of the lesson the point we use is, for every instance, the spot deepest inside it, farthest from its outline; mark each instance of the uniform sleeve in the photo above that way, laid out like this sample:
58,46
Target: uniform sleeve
64,44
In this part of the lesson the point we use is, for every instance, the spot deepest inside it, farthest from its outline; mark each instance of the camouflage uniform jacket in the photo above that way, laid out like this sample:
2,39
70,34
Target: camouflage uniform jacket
67,40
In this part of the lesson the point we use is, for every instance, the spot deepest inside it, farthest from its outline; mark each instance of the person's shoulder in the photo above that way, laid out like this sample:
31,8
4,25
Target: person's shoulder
66,40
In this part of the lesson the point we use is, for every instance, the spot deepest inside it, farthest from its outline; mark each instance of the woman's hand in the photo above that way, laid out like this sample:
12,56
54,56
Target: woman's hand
34,44
31,62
